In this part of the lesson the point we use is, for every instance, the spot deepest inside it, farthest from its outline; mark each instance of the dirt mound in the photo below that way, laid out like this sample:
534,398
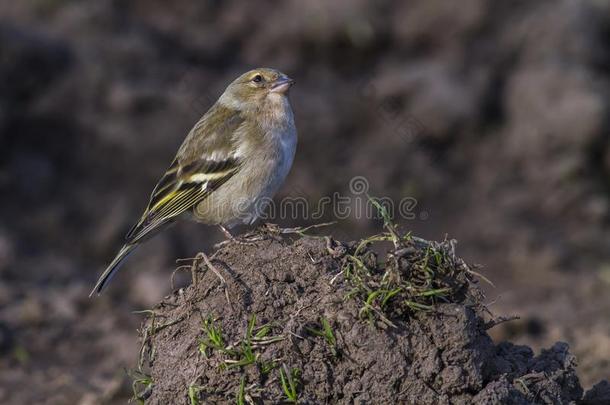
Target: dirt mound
316,321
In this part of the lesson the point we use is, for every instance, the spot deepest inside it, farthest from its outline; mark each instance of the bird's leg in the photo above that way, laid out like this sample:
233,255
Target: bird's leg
226,232
247,240
228,235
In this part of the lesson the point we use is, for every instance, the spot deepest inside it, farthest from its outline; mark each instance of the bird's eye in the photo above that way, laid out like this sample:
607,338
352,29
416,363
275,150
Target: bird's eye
257,79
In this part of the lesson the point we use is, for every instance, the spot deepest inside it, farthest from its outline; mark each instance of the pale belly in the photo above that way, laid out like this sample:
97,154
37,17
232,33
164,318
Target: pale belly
244,196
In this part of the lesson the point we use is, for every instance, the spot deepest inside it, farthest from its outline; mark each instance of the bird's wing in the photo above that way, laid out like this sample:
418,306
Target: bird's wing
206,160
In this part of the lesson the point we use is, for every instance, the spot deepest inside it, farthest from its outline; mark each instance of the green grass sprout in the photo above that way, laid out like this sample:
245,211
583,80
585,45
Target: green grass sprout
289,380
214,338
327,333
241,394
414,275
193,393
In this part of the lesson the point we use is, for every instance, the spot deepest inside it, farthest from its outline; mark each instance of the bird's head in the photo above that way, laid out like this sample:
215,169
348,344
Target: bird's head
254,87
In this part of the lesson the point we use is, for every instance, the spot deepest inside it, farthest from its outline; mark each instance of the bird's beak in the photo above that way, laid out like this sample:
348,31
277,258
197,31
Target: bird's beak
281,85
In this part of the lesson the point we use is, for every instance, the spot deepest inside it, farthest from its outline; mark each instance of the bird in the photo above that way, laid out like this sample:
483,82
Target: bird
228,167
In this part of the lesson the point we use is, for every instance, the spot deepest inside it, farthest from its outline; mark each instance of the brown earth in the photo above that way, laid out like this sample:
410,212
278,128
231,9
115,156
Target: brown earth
290,288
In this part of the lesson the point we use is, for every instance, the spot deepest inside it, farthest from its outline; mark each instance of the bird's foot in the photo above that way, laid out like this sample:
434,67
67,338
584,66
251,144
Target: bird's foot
247,239
269,231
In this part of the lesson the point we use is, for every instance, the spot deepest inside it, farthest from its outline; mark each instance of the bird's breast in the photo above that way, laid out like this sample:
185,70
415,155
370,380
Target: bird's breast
265,162
278,159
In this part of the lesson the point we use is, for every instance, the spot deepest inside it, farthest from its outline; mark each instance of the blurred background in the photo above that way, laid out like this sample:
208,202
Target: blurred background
494,116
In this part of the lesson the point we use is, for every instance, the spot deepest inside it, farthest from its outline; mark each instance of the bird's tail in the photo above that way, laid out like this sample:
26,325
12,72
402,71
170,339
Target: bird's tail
112,268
